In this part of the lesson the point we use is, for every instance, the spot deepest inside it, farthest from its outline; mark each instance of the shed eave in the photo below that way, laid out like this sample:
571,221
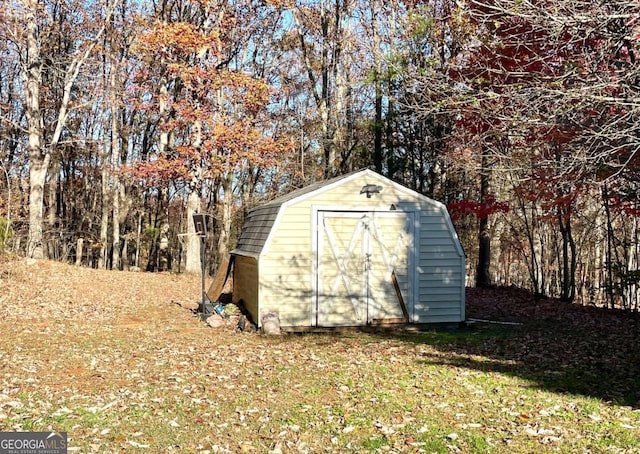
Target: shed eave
324,188
245,253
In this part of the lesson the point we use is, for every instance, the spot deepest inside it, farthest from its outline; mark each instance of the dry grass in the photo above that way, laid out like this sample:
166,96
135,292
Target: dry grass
108,358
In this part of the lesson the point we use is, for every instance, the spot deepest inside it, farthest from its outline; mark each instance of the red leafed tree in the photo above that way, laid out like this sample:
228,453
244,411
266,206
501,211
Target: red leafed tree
560,197
207,114
503,74
480,210
557,83
489,78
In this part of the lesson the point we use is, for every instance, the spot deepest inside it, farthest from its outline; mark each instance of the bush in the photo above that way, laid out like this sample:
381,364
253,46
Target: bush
6,231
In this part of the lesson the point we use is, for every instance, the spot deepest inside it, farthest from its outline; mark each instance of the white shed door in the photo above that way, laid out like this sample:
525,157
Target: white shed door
357,254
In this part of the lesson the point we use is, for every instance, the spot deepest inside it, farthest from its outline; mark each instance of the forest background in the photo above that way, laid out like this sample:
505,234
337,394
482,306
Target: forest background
120,119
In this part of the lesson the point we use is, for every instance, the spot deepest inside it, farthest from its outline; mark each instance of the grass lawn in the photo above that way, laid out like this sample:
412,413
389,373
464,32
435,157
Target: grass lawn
107,357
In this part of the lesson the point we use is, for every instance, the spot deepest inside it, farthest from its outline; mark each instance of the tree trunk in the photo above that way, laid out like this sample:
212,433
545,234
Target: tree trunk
569,261
38,158
609,287
52,215
531,233
115,257
138,241
194,205
39,155
483,277
106,211
37,177
225,218
377,127
79,251
377,124
115,163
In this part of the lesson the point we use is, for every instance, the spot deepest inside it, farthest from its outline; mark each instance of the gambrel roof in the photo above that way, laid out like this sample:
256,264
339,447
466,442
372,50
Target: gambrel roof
260,220
348,251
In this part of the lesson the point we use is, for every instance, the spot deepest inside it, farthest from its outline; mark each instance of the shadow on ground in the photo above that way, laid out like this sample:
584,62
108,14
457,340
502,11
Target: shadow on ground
558,347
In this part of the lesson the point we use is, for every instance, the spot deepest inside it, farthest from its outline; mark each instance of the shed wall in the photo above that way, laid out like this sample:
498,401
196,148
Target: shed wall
440,270
287,265
245,284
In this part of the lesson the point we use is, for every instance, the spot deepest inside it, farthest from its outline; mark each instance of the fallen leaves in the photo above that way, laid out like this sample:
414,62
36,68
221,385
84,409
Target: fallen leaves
110,358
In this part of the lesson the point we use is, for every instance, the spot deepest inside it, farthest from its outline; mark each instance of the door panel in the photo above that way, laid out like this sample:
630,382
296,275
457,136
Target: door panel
357,253
389,246
341,292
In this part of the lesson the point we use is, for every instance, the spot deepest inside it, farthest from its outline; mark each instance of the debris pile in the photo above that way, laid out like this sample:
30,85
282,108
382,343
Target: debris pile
221,315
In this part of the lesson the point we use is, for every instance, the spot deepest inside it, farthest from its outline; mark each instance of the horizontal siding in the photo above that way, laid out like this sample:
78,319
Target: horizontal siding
290,242
438,303
431,311
442,254
441,272
437,241
292,318
441,281
285,286
432,223
292,307
291,275
452,318
441,296
288,261
433,239
443,266
440,312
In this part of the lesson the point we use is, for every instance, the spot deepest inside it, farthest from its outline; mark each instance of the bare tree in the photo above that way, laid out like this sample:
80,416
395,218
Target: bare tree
32,15
325,42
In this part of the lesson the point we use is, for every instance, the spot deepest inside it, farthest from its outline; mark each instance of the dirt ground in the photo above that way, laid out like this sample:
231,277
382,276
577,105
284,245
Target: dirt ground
41,291
47,290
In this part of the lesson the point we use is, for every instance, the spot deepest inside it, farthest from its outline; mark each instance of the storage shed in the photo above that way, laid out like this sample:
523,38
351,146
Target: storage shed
355,250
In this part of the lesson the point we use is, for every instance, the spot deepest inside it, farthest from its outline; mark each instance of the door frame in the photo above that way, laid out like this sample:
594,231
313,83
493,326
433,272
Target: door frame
316,231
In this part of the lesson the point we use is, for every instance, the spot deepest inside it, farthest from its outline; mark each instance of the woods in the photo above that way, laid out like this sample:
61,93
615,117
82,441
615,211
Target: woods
120,119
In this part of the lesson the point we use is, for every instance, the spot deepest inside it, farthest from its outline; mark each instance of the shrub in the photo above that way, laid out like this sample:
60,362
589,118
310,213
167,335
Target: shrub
6,232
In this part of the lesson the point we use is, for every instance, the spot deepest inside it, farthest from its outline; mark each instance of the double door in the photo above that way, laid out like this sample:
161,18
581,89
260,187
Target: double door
363,263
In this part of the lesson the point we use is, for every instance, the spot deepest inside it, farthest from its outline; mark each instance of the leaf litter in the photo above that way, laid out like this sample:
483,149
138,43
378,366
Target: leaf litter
111,358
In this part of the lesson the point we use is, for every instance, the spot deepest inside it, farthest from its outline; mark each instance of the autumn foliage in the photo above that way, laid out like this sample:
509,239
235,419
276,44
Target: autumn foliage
478,209
521,116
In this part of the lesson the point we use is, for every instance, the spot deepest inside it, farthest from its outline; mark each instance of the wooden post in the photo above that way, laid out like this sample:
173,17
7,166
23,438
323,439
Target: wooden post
79,251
